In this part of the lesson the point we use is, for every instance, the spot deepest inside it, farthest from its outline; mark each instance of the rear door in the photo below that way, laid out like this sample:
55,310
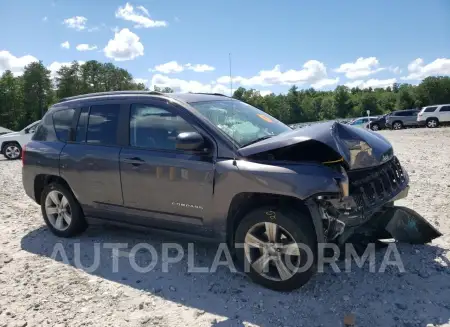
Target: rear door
90,161
444,114
163,186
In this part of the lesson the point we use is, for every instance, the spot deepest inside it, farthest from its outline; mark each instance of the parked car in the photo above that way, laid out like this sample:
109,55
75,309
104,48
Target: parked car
433,116
362,121
377,124
215,168
11,144
402,118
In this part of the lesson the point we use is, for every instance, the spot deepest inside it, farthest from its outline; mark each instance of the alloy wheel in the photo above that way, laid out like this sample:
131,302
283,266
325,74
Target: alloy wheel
432,123
397,126
58,210
375,127
12,152
272,251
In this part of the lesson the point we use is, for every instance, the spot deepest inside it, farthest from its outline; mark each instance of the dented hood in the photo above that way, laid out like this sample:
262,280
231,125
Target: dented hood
357,147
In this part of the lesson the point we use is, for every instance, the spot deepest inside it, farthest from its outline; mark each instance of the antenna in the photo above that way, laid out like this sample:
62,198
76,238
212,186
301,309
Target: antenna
231,79
231,95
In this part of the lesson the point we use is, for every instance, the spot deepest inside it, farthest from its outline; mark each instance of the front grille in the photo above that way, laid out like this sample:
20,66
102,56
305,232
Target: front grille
371,186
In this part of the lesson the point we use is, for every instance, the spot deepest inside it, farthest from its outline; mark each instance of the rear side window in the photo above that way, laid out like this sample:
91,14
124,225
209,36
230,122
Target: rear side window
80,135
102,124
430,109
62,121
444,108
45,131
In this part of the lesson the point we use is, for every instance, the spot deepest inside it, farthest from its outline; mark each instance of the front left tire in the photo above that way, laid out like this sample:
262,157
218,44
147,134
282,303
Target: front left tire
277,248
12,151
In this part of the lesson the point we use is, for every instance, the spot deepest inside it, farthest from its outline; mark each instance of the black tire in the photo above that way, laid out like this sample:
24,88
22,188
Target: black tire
301,229
397,125
432,123
375,127
78,222
14,145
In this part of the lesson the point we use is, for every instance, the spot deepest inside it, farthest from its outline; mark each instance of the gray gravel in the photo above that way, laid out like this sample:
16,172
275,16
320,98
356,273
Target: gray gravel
36,290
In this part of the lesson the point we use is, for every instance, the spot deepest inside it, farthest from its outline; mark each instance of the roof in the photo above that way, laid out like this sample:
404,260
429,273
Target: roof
186,97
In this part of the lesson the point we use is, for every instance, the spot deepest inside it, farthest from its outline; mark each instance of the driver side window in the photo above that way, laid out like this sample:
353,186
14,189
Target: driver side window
155,128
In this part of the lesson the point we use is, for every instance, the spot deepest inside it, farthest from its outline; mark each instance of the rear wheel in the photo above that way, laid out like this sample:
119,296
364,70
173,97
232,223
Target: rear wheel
397,125
375,127
61,211
432,123
277,248
12,151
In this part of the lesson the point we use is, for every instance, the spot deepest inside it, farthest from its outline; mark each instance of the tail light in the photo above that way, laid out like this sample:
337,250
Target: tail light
420,114
23,154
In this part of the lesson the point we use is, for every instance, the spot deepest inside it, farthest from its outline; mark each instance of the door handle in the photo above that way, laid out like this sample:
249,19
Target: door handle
135,159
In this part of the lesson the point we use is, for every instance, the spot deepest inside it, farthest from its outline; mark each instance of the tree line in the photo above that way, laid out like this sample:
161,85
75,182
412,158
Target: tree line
25,98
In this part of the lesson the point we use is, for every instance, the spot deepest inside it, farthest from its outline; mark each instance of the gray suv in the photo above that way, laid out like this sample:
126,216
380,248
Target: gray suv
215,168
402,118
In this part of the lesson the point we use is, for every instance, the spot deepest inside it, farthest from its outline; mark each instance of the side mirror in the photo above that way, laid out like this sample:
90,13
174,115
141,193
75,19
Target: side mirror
191,141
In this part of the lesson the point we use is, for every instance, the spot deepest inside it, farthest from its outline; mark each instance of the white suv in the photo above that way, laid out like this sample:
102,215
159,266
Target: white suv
11,144
432,116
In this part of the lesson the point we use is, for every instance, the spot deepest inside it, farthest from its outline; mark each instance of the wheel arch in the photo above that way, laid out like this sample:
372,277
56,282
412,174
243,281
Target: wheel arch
42,180
243,203
432,117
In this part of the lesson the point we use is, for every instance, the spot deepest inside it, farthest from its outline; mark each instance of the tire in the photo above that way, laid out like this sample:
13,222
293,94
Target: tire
375,127
58,223
12,151
397,125
432,123
299,228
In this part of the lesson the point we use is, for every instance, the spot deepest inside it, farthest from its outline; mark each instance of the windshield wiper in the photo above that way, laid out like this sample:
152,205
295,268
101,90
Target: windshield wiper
262,138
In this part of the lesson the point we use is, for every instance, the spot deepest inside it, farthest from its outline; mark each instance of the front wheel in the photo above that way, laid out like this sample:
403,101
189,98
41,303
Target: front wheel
375,127
12,151
277,248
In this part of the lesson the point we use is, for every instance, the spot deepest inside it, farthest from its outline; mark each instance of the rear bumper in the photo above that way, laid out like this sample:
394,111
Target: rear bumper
421,122
28,183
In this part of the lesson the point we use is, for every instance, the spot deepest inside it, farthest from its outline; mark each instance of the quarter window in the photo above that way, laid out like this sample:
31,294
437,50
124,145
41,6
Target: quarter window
62,121
155,128
444,108
102,124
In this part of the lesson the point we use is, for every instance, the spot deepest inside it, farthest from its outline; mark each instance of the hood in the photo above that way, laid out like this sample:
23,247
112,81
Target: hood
9,134
325,142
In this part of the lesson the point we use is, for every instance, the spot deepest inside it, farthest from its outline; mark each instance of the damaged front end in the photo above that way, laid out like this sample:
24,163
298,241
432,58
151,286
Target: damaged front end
369,175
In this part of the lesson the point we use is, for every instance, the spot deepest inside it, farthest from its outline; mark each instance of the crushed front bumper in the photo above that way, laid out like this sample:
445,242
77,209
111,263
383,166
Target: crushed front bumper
369,207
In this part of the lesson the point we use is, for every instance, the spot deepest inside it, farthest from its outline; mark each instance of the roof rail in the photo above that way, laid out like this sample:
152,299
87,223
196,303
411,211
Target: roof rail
88,95
219,94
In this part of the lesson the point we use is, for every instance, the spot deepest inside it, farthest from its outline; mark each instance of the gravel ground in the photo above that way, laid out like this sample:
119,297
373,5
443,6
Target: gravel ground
37,289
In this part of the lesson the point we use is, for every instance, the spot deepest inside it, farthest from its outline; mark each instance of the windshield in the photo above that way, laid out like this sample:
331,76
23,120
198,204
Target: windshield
241,122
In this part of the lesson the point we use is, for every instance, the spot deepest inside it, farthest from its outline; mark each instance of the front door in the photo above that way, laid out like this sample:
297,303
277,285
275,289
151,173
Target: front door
161,185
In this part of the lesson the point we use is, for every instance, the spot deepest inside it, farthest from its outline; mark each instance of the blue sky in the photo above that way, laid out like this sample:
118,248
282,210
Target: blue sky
274,44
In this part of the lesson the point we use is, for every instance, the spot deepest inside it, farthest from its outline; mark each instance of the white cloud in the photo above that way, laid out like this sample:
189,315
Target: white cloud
77,22
15,64
362,67
265,92
141,80
168,68
56,65
179,85
313,72
373,83
65,45
199,68
86,47
45,19
124,46
418,70
141,19
325,82
175,67
395,70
